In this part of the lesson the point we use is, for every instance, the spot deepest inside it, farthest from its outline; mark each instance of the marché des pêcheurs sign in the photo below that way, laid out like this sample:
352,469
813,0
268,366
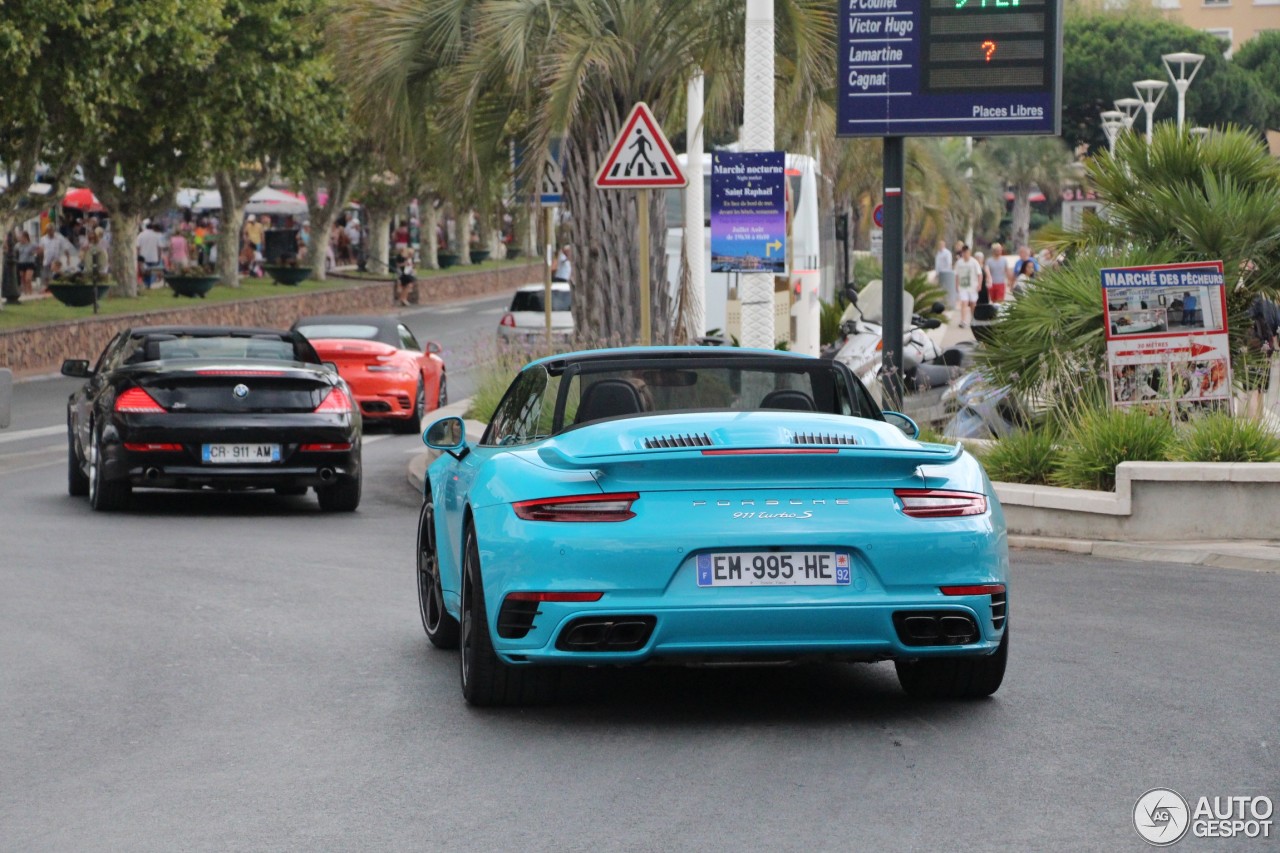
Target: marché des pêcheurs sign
949,67
1166,329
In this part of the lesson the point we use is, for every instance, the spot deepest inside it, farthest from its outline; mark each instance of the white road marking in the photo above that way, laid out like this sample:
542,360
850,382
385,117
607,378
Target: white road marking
454,310
39,432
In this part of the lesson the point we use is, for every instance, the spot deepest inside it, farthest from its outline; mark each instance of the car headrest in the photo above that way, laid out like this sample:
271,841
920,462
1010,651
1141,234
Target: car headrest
608,398
150,349
796,401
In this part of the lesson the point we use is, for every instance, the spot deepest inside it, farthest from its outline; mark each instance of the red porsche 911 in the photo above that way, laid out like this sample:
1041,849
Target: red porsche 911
394,379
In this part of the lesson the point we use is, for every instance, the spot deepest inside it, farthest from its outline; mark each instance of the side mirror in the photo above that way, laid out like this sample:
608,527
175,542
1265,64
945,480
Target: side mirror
433,348
447,434
937,307
902,422
851,293
77,367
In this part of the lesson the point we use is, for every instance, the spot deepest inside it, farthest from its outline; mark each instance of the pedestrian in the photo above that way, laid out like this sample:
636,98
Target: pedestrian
253,231
149,244
304,241
1026,275
943,266
27,256
997,273
564,265
1024,254
355,242
56,254
97,263
406,279
968,282
179,250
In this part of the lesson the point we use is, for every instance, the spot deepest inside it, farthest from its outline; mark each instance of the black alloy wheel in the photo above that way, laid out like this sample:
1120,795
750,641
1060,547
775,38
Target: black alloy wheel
104,495
486,680
77,480
442,629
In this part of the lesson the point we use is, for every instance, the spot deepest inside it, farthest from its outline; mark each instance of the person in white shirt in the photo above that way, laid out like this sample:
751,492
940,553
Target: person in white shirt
942,260
564,265
968,283
55,249
150,245
946,275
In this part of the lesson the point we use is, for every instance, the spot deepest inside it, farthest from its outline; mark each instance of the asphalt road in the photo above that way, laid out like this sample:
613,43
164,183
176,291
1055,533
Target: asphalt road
215,672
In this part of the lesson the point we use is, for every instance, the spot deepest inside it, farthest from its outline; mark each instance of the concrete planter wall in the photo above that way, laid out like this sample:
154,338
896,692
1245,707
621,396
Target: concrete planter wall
40,349
1165,501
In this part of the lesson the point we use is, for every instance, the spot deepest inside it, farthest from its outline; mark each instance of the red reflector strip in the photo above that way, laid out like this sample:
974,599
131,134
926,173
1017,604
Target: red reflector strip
939,503
137,400
612,507
153,448
976,589
325,448
555,596
770,451
240,373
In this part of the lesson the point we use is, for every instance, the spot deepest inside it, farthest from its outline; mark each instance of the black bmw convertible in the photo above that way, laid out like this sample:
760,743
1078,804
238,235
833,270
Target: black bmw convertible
191,407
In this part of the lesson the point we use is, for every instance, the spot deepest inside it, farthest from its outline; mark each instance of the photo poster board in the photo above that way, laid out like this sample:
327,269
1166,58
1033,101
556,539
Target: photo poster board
749,212
1166,330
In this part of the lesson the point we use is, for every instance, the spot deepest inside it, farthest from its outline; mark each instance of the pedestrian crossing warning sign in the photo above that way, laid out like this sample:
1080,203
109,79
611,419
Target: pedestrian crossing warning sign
641,156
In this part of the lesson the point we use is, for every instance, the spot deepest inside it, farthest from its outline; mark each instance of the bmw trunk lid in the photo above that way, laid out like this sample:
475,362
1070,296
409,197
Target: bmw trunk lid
217,386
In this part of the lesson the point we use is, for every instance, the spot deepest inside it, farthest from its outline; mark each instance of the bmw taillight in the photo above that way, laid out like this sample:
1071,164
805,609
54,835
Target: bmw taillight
508,320
612,507
329,447
336,401
137,401
152,447
939,503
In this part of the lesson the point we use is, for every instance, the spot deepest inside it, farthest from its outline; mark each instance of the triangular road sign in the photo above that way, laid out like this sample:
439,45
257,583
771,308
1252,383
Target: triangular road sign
641,156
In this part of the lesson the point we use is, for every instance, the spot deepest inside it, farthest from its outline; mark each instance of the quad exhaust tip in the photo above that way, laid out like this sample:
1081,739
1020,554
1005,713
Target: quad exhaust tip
606,634
935,628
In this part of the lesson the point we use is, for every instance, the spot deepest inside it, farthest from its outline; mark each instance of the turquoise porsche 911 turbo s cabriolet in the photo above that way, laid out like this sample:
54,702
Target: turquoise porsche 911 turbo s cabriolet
696,505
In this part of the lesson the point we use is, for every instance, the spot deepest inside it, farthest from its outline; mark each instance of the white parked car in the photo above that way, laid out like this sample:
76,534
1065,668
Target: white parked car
527,317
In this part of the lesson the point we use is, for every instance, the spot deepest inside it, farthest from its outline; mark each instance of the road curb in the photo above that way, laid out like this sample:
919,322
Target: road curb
1194,554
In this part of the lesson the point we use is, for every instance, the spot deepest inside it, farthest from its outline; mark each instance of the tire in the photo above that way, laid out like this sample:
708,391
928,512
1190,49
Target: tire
342,496
442,396
486,680
291,491
77,480
413,423
442,629
105,495
955,678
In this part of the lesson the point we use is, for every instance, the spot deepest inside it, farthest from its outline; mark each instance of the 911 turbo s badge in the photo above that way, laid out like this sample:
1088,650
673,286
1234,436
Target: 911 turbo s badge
241,391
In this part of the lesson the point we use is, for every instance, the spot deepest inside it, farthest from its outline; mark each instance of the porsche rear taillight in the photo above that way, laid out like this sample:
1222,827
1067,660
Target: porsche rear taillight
611,507
137,401
939,503
555,596
508,320
336,401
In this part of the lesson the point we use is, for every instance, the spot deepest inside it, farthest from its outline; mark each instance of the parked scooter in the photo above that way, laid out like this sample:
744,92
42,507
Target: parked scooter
980,409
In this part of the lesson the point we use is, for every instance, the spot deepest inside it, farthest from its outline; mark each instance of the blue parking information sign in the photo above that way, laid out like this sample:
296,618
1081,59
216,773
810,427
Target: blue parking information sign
949,67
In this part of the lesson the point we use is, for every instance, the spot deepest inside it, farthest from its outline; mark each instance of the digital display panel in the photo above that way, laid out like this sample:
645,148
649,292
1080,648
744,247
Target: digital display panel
949,67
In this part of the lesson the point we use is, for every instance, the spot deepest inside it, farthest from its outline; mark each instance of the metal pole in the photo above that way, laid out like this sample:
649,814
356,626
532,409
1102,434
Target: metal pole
756,291
646,336
550,225
694,220
891,366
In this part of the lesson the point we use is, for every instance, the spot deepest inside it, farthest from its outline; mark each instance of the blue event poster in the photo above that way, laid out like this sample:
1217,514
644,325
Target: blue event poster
748,212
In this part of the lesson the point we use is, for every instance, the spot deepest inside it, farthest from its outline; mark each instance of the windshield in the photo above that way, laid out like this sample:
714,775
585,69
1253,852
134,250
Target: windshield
340,330
531,300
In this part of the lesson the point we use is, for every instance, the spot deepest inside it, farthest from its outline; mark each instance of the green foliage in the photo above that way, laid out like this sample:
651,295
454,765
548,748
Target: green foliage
924,293
865,270
1219,437
1104,52
1025,163
829,321
1025,456
1100,439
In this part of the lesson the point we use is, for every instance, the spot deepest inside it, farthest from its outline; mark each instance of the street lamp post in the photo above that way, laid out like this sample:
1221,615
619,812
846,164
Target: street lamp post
1182,78
1150,91
1112,123
1130,108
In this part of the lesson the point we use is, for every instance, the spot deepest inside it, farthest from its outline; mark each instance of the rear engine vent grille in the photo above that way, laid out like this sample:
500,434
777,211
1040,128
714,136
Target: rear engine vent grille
655,442
823,438
998,609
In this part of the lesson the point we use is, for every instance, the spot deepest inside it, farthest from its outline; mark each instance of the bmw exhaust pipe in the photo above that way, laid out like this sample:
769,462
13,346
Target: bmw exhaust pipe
326,474
152,474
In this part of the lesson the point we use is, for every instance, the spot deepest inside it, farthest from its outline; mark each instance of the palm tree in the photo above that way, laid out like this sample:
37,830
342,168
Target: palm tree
1027,163
572,69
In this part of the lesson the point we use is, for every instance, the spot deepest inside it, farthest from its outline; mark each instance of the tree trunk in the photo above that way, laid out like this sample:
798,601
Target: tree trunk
1021,215
427,244
228,265
124,253
529,234
322,218
380,240
464,236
